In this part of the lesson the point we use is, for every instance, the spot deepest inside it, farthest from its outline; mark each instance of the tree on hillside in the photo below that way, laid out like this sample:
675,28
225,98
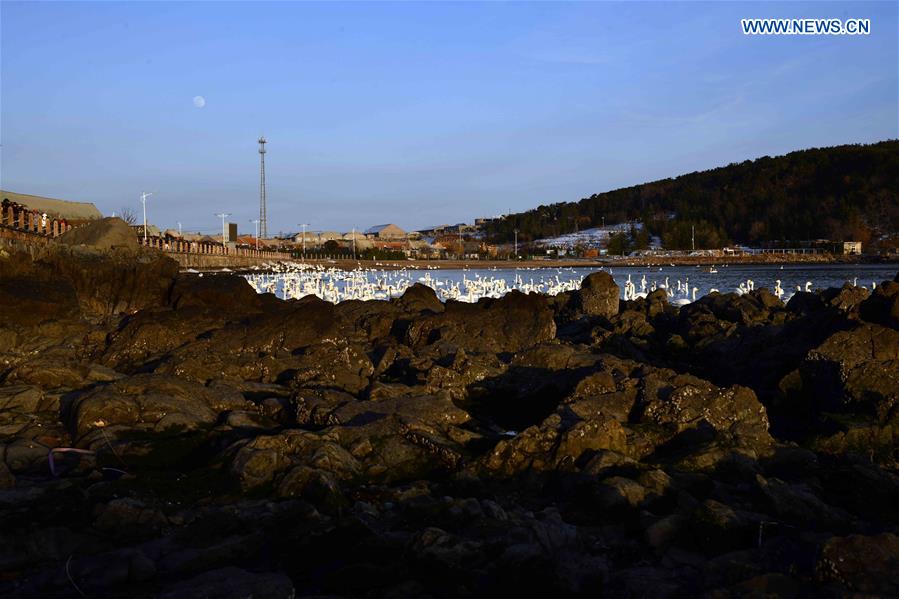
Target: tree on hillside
837,193
618,244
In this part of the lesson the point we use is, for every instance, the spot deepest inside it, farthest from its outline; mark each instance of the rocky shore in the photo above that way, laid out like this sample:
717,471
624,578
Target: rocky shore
174,435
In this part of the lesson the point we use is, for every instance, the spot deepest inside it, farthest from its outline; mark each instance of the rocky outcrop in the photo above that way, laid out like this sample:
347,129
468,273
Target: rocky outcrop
598,296
175,435
105,234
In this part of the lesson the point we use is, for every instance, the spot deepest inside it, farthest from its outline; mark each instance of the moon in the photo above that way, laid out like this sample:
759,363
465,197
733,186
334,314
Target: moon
199,101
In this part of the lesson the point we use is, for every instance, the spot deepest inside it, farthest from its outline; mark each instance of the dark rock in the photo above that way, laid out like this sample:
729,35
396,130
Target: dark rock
30,296
857,368
882,307
846,299
864,564
231,582
113,283
509,324
218,293
150,403
598,296
419,298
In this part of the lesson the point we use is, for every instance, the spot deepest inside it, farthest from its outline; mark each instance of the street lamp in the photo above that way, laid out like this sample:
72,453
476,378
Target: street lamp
516,243
143,200
304,225
256,221
223,216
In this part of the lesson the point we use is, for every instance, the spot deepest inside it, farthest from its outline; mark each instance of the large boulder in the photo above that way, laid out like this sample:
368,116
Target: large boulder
419,298
149,403
508,324
104,234
855,371
218,293
108,284
882,307
598,296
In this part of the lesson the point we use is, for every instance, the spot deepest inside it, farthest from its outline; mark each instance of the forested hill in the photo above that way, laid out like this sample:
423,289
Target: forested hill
843,192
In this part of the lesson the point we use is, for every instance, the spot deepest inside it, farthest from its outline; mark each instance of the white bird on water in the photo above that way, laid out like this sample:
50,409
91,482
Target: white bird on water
778,290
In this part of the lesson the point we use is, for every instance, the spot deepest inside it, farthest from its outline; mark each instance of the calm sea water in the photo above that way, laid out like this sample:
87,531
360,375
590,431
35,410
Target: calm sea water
684,278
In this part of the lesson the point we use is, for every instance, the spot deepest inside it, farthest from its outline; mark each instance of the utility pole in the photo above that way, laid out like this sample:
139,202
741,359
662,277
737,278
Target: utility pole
516,243
179,228
304,225
223,216
693,236
256,221
143,200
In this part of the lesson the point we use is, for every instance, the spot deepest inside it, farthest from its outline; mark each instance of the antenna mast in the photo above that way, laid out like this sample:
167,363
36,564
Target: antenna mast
263,216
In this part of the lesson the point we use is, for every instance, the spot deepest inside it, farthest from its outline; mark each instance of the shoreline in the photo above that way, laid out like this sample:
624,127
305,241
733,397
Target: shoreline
654,261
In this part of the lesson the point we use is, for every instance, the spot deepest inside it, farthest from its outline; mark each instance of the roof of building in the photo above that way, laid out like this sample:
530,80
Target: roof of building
388,228
53,207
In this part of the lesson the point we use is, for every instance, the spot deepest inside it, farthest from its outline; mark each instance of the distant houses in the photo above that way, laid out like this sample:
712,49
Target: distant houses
385,232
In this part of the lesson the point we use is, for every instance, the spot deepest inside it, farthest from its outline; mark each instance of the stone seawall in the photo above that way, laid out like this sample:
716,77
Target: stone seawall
21,241
205,261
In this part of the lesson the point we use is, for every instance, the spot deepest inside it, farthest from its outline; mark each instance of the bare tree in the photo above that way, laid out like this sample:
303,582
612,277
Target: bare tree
127,215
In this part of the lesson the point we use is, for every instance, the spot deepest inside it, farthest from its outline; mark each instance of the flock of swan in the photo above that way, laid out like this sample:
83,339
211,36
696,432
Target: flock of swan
684,294
289,281
295,280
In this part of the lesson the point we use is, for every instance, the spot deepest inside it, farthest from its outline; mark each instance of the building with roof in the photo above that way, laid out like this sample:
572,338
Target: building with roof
388,231
72,212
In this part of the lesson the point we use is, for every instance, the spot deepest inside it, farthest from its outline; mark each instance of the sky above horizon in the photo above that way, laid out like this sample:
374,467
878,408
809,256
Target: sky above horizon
416,113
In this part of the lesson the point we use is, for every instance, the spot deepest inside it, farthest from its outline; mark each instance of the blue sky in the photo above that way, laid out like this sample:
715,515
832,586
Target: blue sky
416,113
